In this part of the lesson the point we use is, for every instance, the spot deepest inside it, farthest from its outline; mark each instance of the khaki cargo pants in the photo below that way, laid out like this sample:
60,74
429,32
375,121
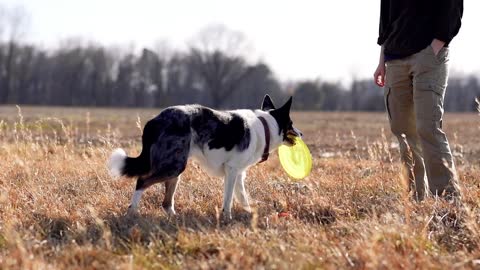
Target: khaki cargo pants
414,94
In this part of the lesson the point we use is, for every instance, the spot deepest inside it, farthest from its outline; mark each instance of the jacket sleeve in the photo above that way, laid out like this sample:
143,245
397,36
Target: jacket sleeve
384,22
449,19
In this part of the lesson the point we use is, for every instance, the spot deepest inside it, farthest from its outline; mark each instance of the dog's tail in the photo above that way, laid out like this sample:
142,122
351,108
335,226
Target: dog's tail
122,165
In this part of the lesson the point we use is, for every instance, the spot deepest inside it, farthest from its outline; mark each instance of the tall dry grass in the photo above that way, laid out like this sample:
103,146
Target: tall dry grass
60,209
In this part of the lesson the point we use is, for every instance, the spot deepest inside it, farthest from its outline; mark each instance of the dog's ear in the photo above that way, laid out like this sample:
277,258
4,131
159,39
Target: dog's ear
282,115
286,107
267,103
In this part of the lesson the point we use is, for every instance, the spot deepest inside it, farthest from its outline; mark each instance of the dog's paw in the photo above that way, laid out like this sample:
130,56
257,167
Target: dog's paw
247,208
226,217
132,211
170,211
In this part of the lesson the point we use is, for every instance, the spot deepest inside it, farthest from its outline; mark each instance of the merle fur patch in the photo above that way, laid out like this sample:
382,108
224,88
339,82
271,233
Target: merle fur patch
220,129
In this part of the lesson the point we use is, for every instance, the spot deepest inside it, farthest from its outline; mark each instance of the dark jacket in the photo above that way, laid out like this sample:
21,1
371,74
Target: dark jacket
408,26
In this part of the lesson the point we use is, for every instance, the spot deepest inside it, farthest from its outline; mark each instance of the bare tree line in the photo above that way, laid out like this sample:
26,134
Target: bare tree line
214,72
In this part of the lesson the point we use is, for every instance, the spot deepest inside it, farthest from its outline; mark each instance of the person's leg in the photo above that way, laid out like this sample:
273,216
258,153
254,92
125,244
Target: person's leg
430,82
400,109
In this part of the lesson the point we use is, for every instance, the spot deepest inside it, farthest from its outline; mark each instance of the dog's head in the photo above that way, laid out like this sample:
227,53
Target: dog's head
282,116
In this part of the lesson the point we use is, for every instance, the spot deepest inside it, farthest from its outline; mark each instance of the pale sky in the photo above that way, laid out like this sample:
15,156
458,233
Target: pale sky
330,40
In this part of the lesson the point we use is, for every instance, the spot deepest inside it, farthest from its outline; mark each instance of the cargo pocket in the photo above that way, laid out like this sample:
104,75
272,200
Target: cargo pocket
429,110
437,87
438,104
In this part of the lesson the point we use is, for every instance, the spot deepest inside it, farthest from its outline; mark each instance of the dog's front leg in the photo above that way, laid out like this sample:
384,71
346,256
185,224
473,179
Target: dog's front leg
169,200
231,175
240,193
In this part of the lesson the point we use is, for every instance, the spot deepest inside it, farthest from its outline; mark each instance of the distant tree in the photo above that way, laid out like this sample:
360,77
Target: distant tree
461,94
152,72
14,24
366,96
217,62
38,89
183,86
21,81
334,97
124,87
252,89
308,96
218,38
158,64
98,77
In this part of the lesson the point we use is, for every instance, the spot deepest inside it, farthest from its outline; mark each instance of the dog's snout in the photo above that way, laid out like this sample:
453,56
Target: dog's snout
297,132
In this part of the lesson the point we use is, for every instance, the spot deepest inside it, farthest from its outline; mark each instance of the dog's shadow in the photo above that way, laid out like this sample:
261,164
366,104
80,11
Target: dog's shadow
143,227
121,229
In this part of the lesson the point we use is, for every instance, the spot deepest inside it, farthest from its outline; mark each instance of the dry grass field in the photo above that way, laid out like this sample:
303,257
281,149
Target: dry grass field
60,209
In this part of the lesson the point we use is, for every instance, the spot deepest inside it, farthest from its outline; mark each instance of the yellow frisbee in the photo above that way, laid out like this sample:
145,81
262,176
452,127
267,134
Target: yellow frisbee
296,160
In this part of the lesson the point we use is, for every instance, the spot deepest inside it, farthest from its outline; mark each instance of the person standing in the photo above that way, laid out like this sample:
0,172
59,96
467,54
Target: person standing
414,36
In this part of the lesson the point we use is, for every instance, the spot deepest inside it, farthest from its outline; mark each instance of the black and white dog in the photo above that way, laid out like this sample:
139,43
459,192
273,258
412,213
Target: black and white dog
225,143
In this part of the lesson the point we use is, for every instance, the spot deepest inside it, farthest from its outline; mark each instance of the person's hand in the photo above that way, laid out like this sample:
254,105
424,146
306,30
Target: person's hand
437,45
379,75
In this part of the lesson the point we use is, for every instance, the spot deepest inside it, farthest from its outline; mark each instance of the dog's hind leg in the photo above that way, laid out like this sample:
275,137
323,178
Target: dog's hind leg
168,159
169,200
165,169
137,195
133,207
142,184
240,193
